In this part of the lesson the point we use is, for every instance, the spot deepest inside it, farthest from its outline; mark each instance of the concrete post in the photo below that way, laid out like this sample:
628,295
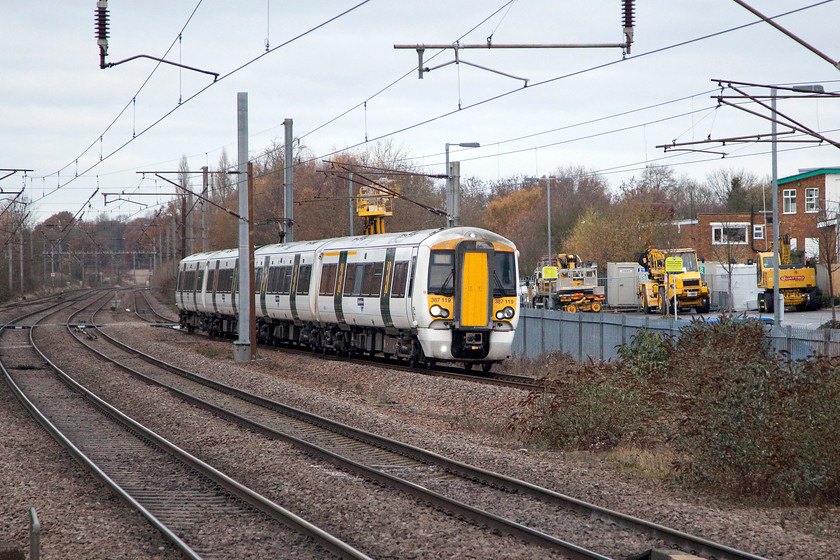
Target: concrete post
242,346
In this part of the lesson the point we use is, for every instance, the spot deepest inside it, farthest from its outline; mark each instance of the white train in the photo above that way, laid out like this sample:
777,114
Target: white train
425,296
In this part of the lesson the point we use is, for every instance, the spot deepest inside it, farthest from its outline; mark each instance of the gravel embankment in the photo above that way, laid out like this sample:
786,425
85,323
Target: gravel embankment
458,419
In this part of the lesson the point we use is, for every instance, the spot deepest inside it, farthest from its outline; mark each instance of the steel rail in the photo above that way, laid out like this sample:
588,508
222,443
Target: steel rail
424,495
672,537
243,493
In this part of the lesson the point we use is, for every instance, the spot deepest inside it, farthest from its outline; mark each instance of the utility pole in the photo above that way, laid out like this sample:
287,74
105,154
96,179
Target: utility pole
288,183
350,196
205,178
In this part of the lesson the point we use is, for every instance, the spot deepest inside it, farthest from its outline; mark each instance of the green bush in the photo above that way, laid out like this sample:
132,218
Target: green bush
737,418
592,406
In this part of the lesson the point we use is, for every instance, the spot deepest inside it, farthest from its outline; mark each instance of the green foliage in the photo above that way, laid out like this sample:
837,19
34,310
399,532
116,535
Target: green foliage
737,418
592,406
647,352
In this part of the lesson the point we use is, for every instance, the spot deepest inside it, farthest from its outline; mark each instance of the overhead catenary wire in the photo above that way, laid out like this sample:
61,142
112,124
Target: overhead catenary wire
554,79
196,94
446,114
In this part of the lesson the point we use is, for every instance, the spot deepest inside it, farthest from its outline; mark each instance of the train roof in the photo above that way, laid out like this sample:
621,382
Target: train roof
410,238
426,236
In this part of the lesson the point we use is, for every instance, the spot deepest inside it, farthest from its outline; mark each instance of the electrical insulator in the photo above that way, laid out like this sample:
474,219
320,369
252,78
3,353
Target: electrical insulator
102,30
629,8
628,24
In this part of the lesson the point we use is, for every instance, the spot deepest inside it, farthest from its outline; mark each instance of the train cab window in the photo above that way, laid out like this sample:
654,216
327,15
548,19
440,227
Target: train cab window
328,280
442,273
504,274
304,273
399,278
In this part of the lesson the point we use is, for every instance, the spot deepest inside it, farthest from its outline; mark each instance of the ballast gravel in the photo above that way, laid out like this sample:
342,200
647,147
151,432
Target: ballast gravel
462,420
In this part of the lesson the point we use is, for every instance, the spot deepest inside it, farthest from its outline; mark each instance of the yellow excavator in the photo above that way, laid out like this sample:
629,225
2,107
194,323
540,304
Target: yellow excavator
796,283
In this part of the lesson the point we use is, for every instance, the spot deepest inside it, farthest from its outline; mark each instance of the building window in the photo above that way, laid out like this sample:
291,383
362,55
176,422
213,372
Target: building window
811,198
729,234
789,196
758,231
812,247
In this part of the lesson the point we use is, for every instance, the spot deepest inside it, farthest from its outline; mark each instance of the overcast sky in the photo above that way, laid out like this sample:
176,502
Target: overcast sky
343,83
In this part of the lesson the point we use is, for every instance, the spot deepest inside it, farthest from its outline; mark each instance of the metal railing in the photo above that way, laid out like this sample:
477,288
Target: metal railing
598,336
34,535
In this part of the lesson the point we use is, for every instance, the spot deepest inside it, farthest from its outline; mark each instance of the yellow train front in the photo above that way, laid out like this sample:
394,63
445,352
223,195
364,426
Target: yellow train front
467,307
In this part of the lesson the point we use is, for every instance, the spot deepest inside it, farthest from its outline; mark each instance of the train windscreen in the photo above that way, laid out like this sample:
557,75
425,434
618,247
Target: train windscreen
442,273
504,274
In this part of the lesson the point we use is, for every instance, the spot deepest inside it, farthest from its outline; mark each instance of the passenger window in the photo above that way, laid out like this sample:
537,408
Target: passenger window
304,273
328,280
350,279
285,280
258,274
399,277
372,284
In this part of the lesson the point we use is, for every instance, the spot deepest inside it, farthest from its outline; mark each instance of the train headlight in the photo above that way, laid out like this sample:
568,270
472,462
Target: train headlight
438,311
506,313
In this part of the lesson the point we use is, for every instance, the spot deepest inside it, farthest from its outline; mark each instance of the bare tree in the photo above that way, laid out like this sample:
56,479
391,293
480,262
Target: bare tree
828,258
727,245
738,191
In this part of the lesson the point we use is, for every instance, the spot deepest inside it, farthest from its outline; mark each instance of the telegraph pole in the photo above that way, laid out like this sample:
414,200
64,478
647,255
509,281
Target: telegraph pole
288,183
205,181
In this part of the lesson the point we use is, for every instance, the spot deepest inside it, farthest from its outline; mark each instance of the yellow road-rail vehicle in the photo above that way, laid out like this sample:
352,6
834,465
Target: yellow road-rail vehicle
565,282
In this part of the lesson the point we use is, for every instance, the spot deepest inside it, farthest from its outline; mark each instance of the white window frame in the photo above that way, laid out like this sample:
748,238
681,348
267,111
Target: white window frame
789,201
758,231
718,229
812,197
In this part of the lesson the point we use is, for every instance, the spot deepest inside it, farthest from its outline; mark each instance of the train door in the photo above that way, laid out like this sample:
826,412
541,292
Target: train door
213,286
396,304
473,293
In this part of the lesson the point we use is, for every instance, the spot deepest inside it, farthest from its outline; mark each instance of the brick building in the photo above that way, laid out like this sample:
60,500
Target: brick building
724,237
805,200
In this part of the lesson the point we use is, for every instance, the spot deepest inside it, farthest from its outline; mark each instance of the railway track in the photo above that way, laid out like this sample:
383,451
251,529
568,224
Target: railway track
204,513
444,483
